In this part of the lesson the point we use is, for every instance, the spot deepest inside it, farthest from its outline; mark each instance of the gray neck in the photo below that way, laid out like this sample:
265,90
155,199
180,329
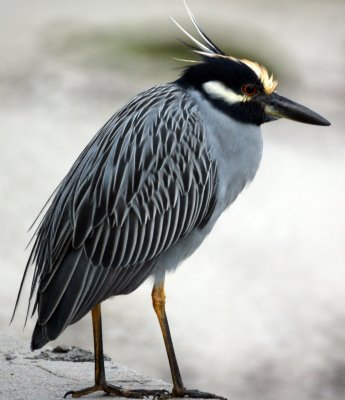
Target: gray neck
236,147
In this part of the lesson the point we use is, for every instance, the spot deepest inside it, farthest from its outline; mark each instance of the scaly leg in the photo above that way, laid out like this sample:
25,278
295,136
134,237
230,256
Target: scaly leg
179,390
100,381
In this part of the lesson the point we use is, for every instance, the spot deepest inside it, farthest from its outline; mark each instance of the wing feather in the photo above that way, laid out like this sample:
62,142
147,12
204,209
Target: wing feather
144,182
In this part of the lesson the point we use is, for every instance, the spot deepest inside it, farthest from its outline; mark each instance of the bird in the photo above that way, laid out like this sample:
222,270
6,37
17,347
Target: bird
146,191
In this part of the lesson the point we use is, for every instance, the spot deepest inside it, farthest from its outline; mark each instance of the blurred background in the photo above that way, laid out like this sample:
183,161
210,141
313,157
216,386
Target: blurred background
259,311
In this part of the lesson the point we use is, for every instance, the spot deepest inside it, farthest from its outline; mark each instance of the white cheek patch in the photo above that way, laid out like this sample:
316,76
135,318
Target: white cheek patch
218,90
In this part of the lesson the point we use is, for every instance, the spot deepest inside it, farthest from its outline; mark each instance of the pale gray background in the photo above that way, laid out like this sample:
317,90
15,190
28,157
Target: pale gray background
259,311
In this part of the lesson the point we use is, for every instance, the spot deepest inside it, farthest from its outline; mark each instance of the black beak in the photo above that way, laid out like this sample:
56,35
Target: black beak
277,106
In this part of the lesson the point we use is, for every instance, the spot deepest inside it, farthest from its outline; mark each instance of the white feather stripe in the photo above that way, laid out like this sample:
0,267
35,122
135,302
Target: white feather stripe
218,90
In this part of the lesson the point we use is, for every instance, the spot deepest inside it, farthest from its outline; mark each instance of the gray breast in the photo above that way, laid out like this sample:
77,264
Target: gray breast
237,150
236,147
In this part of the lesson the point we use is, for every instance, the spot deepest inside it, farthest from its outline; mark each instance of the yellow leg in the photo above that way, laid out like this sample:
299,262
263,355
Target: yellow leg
158,300
98,345
100,381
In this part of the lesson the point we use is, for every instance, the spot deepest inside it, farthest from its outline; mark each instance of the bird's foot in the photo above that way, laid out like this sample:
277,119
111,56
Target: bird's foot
117,391
155,393
192,394
101,387
196,394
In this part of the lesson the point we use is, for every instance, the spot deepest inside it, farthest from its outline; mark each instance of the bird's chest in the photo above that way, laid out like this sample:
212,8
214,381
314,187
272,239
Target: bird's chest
237,150
238,158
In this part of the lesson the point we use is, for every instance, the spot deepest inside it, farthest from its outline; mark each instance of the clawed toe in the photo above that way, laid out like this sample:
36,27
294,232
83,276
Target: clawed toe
118,392
196,394
192,394
104,387
156,394
159,394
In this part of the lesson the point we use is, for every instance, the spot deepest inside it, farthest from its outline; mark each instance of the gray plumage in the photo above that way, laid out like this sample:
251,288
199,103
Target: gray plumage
139,199
145,193
142,184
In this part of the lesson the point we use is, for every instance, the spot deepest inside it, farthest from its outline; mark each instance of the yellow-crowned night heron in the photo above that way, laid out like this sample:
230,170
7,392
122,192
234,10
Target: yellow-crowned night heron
147,190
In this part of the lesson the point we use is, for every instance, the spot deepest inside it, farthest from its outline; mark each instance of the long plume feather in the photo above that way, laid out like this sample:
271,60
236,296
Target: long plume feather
211,45
199,44
209,50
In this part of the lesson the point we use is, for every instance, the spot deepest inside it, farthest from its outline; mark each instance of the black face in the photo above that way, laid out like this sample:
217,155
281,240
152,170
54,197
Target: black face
236,76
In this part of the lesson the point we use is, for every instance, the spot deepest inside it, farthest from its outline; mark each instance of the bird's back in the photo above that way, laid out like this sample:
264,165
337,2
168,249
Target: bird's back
143,183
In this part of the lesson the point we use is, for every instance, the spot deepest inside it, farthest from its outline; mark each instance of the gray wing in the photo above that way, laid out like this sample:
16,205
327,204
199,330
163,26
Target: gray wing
145,181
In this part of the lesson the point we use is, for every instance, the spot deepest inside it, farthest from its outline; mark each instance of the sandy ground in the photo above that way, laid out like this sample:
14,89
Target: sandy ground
258,311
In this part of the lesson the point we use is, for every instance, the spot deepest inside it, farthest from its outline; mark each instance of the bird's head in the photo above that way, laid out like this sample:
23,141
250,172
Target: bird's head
241,88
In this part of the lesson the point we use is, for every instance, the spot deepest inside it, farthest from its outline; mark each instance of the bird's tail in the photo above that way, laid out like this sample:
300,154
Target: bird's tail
39,339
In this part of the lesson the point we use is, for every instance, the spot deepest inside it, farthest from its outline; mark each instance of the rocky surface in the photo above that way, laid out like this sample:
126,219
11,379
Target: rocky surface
49,374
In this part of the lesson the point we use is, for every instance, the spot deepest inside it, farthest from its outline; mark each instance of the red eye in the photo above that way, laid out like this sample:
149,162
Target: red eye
249,90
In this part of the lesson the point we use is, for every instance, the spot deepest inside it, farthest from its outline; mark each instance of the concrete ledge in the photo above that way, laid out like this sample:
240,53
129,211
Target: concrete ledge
48,375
